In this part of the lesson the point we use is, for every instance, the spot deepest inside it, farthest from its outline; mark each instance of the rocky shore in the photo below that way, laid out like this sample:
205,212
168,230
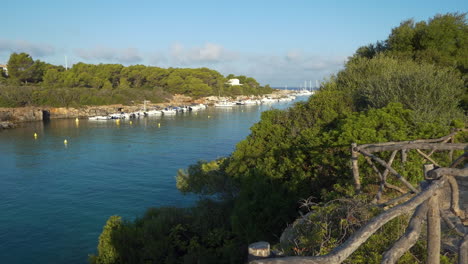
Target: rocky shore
9,117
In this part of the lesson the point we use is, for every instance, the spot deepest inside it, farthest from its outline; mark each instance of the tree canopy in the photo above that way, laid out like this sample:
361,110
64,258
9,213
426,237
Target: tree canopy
111,83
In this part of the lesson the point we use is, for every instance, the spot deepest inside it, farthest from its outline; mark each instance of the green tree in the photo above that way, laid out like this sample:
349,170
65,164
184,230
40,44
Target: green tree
20,67
107,253
434,93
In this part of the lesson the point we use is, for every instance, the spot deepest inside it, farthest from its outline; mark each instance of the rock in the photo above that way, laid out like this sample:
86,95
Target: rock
7,124
21,114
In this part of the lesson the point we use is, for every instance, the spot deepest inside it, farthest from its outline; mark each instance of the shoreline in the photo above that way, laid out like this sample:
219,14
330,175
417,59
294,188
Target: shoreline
10,117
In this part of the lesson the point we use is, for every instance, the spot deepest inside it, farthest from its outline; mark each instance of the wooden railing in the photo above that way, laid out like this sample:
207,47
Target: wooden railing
424,200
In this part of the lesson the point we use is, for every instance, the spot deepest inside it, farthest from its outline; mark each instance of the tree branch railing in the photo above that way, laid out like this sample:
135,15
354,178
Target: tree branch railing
424,201
428,208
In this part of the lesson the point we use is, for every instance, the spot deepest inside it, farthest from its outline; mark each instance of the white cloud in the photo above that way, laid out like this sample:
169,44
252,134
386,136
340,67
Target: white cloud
101,53
33,49
208,53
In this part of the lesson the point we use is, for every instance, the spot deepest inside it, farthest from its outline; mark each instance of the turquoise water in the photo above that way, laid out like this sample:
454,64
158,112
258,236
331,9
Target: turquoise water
55,198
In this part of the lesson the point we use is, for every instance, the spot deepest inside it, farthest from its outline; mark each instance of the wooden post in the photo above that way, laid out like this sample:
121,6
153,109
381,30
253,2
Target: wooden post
463,251
259,250
404,156
354,164
433,230
452,140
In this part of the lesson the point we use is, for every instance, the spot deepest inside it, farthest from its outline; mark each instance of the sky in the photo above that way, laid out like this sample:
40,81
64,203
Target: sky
281,43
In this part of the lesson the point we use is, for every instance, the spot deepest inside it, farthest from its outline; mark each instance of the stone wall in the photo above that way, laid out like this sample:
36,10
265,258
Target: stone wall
21,114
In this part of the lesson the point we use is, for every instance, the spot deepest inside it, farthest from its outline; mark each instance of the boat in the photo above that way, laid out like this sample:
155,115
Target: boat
99,118
268,100
154,112
169,111
224,104
251,102
197,107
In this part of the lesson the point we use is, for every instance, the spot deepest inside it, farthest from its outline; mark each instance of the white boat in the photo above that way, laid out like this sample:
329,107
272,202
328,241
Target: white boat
169,111
99,118
197,107
268,100
224,104
154,113
251,102
138,114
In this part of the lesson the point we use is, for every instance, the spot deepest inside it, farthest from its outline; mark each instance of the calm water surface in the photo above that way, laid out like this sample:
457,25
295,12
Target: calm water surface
55,199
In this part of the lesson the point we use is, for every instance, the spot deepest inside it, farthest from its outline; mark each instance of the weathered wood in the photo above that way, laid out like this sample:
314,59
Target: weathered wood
426,169
383,177
393,171
463,251
452,140
378,196
433,230
431,146
434,174
389,163
455,197
405,242
259,250
435,140
450,224
393,187
427,157
397,199
459,160
404,156
355,168
342,252
444,141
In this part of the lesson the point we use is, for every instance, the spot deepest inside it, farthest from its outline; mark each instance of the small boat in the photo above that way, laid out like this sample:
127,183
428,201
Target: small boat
169,111
99,118
224,104
154,113
251,102
268,100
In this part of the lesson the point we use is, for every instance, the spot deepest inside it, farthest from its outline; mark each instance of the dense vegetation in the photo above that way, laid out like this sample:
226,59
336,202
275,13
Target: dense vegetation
32,82
302,154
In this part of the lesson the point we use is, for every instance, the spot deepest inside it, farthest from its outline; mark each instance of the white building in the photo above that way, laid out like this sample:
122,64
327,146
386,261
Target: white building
5,68
233,82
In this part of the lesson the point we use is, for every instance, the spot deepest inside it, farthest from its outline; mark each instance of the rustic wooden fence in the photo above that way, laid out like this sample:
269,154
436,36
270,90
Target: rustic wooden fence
435,200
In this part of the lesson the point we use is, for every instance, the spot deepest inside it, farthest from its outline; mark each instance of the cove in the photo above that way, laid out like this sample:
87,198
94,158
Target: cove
55,198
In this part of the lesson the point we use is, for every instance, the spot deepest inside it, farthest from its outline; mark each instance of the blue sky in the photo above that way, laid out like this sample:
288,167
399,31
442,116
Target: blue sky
277,42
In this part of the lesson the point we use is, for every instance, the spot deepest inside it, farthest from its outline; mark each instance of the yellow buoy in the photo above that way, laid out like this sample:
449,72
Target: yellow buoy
208,116
117,121
131,122
65,142
35,135
159,124
77,120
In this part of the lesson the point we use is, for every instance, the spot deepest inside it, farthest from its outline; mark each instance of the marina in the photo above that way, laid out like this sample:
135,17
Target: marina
56,196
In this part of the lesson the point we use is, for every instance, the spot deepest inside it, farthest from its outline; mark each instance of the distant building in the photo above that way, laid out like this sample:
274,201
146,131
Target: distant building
233,82
5,68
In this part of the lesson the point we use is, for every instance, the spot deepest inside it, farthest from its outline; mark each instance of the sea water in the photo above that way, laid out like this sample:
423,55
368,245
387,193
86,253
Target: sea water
55,198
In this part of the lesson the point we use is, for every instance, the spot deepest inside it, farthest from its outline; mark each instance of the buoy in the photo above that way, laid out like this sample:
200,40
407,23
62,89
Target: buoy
35,135
208,116
117,121
65,142
131,122
77,120
159,124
